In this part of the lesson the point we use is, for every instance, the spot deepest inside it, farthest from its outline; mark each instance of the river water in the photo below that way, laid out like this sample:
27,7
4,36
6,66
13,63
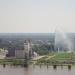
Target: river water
36,70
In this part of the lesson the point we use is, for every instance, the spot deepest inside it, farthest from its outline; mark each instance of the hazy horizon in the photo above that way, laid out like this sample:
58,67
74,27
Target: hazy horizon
37,16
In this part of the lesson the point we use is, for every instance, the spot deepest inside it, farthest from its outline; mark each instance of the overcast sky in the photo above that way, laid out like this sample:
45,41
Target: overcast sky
37,16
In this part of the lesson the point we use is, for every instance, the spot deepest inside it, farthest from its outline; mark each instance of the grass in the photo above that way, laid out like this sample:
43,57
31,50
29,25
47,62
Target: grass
62,56
57,58
11,61
51,58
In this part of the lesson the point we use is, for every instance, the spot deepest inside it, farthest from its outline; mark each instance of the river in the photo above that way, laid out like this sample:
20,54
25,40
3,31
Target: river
36,70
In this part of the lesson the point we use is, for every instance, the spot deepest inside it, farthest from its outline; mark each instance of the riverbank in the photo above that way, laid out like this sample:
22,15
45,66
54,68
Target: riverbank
58,59
51,59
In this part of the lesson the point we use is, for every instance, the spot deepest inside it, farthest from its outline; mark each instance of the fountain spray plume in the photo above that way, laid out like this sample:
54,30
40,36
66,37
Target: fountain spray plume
62,42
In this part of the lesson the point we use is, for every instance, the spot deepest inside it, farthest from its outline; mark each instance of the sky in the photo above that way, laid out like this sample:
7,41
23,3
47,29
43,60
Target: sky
37,16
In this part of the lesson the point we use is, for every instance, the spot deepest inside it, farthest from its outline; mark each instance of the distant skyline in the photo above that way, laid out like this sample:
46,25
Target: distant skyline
37,16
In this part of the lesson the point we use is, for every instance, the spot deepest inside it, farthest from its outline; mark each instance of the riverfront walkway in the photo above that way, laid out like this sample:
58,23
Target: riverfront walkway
37,58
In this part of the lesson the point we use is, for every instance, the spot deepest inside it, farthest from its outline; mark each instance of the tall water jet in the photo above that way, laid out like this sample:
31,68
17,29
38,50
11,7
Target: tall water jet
62,41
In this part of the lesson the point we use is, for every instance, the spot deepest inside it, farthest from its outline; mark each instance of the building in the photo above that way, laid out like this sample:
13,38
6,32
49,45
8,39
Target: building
11,52
27,52
3,53
19,53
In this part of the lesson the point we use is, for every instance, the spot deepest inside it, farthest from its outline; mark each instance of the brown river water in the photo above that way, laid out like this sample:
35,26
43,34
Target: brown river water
36,70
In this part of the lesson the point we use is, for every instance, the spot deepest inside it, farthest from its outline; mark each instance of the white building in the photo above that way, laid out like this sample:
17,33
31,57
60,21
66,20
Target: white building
3,53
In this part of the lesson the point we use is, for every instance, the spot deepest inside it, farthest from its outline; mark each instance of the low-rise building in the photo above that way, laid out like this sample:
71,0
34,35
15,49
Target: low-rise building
3,53
19,54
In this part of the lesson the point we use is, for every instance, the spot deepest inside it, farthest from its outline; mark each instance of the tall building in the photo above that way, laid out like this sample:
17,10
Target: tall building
28,48
27,52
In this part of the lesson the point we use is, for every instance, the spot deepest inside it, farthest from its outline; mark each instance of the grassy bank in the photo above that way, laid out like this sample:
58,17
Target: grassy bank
12,61
50,59
57,58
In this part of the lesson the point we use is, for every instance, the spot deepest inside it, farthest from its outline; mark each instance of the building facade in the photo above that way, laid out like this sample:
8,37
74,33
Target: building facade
27,52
